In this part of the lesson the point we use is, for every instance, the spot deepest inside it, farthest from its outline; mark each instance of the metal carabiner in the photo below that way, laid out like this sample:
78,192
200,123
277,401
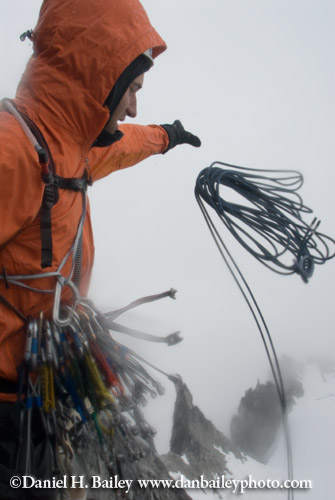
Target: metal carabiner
62,322
34,347
29,339
48,341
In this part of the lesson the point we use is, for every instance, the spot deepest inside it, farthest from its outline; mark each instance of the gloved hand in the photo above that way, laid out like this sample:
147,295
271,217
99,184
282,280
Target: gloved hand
178,135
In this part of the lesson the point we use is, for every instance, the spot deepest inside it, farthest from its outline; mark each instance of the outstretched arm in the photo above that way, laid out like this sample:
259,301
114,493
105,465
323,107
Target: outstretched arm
139,142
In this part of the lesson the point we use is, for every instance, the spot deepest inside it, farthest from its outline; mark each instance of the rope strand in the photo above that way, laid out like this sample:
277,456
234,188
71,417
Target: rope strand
270,227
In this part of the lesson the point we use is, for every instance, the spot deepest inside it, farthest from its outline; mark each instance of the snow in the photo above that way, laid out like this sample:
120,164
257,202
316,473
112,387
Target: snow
175,475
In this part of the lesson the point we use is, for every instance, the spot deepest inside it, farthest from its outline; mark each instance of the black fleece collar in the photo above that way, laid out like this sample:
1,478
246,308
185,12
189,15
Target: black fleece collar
139,66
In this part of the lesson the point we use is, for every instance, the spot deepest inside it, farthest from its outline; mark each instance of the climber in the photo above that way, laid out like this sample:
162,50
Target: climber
88,63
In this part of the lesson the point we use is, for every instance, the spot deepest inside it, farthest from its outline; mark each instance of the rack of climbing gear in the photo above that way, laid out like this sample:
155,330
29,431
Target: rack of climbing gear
81,381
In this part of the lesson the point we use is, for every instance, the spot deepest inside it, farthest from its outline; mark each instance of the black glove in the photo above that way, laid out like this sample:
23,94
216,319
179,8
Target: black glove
178,135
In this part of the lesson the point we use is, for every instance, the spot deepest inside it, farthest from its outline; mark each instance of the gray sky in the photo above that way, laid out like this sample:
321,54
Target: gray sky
255,80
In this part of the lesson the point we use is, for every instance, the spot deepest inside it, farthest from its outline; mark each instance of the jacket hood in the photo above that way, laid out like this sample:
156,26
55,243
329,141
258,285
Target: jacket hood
81,47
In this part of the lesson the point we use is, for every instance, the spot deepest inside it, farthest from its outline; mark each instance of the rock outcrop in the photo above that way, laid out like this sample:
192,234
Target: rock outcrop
259,416
196,447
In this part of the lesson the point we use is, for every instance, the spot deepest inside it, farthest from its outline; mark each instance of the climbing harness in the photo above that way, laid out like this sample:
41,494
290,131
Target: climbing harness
82,385
52,182
270,227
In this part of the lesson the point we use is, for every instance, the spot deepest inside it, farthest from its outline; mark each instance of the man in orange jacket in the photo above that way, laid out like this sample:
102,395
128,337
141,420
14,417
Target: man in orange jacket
88,64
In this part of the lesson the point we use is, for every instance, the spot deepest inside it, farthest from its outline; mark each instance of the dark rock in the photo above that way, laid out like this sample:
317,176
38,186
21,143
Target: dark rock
197,447
255,428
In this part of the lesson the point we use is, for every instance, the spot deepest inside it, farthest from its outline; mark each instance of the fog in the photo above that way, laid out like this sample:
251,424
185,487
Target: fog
255,80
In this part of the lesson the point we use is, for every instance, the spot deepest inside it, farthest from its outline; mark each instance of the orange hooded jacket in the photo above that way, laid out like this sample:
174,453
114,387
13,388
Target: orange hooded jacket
81,47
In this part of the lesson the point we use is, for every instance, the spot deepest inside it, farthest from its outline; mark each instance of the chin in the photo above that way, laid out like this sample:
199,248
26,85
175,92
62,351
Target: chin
113,129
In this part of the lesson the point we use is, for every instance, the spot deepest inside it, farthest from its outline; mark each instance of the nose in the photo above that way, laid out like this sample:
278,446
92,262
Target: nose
132,106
